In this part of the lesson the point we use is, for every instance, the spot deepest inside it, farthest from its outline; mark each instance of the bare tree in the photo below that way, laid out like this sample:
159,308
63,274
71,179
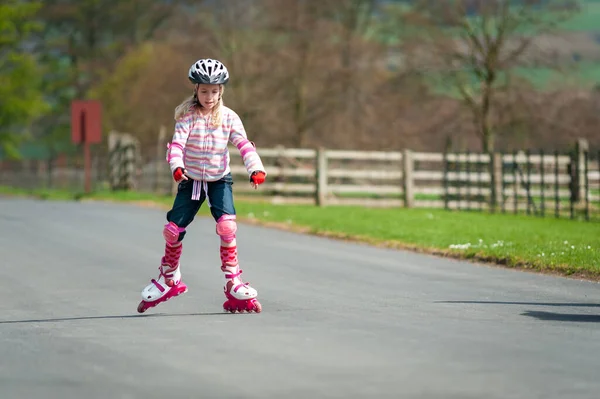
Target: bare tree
354,18
475,44
234,31
300,79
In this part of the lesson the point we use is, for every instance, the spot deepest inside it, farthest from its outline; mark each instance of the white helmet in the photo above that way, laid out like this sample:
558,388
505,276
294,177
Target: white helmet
208,71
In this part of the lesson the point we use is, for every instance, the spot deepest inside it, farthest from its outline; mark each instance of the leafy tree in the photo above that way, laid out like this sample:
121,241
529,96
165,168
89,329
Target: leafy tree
21,97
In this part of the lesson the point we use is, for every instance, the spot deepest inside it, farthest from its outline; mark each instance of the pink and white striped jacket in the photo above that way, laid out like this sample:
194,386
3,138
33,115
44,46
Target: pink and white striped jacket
202,149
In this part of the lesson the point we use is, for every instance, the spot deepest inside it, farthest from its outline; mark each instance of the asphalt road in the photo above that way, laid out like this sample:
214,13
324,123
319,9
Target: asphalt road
339,320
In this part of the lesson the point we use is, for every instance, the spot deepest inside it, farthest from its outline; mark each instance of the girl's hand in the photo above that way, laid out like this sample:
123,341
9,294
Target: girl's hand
179,175
257,178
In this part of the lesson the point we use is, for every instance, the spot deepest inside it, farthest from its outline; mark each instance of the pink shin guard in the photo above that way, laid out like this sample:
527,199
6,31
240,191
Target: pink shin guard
228,257
172,254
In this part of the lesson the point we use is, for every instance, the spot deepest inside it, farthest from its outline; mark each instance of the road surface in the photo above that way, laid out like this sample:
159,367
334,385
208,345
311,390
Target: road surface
340,320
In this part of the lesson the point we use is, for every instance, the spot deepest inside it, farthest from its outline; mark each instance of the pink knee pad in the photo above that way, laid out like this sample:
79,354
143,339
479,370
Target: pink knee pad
226,227
171,232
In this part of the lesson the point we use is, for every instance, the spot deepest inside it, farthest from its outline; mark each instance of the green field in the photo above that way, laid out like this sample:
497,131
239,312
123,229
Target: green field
584,74
587,20
558,246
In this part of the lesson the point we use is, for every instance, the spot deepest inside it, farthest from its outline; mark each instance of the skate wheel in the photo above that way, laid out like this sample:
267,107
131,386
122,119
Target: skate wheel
228,307
236,306
142,307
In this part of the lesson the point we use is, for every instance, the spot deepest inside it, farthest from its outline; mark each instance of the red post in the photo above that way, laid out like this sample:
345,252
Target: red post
87,163
86,130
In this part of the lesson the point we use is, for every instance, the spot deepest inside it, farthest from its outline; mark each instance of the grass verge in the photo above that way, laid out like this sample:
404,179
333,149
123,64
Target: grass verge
564,247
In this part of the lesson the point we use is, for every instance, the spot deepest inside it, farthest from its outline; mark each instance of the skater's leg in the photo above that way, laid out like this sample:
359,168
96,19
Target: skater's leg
179,217
184,209
169,283
173,249
226,228
223,211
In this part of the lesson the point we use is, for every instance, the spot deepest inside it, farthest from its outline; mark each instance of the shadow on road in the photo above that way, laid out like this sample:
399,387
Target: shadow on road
546,316
550,316
110,317
566,304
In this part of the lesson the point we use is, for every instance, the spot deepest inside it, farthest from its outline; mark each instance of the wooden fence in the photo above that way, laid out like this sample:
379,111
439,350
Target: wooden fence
532,183
561,185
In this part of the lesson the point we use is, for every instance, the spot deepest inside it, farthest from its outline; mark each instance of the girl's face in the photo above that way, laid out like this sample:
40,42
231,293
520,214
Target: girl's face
208,95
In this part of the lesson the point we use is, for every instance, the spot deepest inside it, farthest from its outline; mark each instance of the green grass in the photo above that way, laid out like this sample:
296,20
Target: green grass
561,246
549,244
40,194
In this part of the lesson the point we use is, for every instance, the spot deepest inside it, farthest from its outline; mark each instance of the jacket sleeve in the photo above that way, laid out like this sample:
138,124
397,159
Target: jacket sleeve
247,149
177,145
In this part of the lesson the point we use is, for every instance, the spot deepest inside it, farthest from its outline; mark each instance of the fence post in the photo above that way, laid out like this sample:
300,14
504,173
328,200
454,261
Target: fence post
407,161
468,170
586,185
495,180
502,185
573,186
321,177
582,147
528,178
123,156
515,183
446,162
114,159
556,187
542,184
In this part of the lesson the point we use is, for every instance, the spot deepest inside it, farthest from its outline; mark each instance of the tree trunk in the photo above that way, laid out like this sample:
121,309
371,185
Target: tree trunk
300,89
486,129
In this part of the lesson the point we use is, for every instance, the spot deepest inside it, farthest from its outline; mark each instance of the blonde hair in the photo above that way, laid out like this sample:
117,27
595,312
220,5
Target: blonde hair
191,104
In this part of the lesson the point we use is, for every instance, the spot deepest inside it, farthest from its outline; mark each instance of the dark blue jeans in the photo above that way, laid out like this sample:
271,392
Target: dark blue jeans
184,208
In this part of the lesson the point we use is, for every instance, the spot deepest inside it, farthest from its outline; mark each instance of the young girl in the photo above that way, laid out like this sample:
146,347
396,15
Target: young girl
199,160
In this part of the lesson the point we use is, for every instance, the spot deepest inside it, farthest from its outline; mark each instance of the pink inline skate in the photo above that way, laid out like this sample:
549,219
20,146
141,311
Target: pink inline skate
240,296
167,286
169,282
